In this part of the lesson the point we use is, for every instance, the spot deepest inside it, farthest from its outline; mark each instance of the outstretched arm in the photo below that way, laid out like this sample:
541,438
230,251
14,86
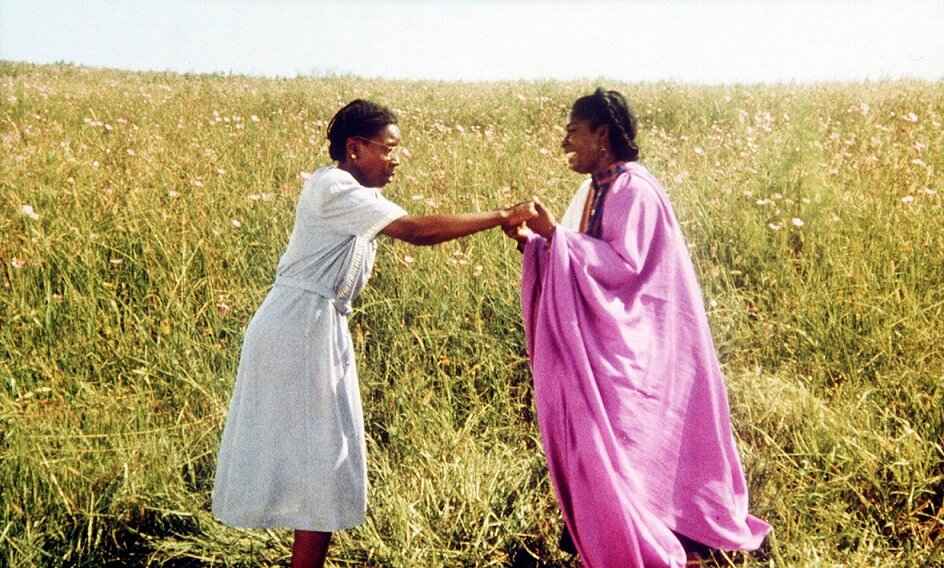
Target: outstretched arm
435,229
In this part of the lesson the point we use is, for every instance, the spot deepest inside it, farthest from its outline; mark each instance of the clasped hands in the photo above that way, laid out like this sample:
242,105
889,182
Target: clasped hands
526,218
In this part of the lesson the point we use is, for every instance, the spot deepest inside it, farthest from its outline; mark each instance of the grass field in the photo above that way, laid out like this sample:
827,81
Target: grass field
142,216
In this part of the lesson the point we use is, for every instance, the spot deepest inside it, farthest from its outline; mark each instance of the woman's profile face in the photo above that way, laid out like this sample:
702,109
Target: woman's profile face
377,156
582,143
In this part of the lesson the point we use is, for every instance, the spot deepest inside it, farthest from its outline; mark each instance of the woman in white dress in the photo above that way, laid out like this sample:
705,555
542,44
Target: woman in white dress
293,452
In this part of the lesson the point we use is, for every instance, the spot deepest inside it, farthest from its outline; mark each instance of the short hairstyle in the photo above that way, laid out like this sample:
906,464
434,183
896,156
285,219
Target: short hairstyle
358,118
610,108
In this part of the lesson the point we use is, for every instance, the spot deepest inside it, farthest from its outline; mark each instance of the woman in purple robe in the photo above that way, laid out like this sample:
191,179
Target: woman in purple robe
630,396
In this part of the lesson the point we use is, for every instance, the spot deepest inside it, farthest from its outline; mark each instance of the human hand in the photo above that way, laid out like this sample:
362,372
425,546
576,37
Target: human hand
544,222
518,214
520,232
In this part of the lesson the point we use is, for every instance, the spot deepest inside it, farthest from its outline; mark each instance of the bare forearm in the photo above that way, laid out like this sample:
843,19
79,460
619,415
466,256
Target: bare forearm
435,229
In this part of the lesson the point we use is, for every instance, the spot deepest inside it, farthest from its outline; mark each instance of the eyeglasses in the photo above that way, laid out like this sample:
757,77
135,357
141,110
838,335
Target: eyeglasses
389,152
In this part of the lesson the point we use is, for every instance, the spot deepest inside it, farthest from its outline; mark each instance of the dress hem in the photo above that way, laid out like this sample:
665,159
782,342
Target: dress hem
284,522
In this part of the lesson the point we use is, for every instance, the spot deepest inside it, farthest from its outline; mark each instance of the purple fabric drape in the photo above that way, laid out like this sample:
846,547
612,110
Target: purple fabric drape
630,397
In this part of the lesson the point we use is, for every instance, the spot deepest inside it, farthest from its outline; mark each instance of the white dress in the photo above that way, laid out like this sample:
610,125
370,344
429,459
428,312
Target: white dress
293,453
574,213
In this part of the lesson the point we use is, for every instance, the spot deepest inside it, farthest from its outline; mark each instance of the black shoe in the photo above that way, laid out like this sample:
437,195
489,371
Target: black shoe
566,542
693,547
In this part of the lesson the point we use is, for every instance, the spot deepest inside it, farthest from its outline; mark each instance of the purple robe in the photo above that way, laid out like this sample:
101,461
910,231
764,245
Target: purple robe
630,397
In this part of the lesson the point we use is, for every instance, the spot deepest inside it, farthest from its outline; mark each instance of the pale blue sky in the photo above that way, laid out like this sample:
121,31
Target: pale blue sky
700,42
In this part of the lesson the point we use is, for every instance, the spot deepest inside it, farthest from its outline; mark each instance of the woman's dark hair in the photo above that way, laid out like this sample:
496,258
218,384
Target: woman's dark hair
610,108
357,118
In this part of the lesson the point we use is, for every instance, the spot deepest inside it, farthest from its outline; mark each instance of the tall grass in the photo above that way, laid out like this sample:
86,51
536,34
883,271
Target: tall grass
142,216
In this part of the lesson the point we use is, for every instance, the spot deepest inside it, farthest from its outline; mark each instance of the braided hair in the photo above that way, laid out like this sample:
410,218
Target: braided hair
611,109
358,118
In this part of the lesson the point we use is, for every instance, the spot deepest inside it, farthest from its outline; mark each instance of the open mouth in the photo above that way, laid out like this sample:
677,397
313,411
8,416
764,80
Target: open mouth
571,156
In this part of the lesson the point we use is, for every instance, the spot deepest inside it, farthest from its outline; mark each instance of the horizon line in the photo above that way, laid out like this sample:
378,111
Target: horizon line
316,74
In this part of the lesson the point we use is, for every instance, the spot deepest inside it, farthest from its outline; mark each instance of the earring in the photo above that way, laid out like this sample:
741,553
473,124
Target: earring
353,156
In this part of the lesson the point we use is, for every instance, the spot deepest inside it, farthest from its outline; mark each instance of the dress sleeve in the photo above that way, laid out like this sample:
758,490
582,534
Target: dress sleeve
349,208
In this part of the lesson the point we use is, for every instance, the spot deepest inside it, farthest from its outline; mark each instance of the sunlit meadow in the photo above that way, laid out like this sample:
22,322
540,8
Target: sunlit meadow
142,216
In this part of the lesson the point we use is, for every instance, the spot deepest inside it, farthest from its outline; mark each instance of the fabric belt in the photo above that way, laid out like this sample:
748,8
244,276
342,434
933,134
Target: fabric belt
343,307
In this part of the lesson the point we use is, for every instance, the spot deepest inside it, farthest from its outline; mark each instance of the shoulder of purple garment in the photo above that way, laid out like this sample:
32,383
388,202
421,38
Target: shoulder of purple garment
641,176
636,188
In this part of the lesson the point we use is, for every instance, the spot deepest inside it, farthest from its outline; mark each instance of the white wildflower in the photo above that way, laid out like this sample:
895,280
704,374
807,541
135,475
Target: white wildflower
28,211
